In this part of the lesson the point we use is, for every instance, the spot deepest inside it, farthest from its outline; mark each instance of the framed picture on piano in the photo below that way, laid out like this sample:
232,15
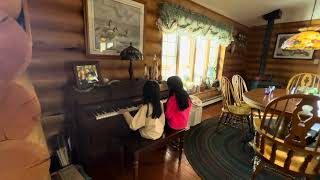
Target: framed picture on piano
87,74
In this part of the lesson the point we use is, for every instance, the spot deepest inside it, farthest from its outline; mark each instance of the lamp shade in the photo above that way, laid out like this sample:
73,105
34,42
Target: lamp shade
306,40
131,53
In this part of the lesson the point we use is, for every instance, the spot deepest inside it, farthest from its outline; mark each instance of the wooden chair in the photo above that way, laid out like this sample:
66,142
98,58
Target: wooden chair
303,80
231,111
286,139
240,87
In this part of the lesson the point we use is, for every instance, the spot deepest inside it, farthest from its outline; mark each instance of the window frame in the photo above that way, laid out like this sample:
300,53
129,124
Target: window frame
192,58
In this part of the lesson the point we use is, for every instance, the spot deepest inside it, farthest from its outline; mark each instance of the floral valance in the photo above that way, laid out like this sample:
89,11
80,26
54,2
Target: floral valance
175,18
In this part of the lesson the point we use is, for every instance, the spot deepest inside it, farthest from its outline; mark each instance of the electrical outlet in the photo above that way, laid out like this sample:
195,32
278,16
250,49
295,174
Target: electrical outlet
316,61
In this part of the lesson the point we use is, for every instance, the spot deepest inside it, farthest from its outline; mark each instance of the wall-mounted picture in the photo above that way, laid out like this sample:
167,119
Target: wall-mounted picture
87,74
290,54
111,25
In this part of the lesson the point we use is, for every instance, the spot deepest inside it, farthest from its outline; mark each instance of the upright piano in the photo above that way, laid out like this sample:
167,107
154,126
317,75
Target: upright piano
96,122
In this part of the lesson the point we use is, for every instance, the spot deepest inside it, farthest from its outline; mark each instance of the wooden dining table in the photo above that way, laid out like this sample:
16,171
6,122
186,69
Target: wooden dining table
257,99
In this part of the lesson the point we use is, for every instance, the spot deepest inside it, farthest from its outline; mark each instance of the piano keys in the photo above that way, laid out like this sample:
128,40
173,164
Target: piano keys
114,111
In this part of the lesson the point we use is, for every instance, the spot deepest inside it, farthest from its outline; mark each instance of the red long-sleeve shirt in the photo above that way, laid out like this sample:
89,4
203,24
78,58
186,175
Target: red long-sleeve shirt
177,119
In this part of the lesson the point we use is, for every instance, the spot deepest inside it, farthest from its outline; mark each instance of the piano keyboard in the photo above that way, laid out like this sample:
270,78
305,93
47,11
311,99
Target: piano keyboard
104,114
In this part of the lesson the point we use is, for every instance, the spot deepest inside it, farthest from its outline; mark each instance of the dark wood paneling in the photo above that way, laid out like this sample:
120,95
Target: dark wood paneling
234,63
58,40
281,69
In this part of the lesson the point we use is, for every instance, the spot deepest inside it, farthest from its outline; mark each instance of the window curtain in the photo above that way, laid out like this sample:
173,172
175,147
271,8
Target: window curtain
175,18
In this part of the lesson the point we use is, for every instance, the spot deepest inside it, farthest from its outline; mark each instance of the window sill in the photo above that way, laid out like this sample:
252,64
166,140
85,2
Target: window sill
207,94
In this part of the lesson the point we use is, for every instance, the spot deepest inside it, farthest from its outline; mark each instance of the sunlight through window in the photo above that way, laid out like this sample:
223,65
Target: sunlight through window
193,59
201,54
184,59
169,55
213,61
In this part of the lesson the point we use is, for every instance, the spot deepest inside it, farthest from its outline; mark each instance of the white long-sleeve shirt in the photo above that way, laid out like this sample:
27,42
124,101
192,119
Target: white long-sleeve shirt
149,128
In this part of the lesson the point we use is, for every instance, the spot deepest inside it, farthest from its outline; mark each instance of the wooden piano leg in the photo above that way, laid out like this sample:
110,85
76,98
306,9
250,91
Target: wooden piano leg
136,166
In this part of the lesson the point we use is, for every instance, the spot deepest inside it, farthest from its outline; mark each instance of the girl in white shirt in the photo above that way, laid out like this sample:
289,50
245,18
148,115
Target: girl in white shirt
150,118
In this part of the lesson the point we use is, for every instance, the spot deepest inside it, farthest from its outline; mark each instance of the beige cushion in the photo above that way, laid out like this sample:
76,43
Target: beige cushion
239,110
281,155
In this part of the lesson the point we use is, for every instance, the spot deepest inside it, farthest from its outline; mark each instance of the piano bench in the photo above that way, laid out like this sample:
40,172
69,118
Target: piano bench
135,144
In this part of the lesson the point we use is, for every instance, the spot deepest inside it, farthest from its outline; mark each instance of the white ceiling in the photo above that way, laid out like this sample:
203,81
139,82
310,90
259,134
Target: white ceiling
249,12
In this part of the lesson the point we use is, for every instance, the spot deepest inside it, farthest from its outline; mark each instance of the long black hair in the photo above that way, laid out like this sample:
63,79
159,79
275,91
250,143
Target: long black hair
151,94
176,88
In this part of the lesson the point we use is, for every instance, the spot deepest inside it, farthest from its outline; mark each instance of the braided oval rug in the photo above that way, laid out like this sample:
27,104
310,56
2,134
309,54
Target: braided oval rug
220,155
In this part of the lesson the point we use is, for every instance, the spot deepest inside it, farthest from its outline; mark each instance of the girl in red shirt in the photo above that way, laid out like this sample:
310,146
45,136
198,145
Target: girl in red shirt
178,105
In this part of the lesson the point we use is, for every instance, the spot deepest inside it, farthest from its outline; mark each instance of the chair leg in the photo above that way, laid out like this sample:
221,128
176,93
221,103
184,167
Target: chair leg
220,121
242,124
225,118
251,117
250,124
136,166
259,112
251,112
230,118
257,167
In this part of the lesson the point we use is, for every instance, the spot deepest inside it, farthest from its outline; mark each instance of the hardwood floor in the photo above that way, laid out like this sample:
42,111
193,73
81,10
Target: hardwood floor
161,164
211,111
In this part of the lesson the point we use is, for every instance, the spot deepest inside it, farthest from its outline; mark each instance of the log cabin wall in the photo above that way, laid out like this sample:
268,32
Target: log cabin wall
281,69
58,40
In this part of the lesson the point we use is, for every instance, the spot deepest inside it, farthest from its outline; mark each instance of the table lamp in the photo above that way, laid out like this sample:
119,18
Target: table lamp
132,54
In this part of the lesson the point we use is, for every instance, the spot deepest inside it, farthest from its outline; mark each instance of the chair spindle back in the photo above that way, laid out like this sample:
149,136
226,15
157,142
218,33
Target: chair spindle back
303,80
227,92
290,122
239,87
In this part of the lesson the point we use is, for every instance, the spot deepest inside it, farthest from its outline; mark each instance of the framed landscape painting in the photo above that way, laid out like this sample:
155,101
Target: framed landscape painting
111,25
290,54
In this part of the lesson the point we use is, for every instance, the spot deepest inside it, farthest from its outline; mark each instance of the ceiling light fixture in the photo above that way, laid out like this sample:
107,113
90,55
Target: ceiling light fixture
307,39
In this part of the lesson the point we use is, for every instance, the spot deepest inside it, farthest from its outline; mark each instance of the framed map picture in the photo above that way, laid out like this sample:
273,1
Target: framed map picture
290,54
111,25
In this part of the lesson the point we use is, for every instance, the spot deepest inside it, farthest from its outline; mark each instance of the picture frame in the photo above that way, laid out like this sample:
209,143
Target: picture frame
279,53
87,74
111,25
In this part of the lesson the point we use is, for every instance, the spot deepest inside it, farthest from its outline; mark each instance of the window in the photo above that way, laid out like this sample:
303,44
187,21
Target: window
193,59
184,61
169,55
213,57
